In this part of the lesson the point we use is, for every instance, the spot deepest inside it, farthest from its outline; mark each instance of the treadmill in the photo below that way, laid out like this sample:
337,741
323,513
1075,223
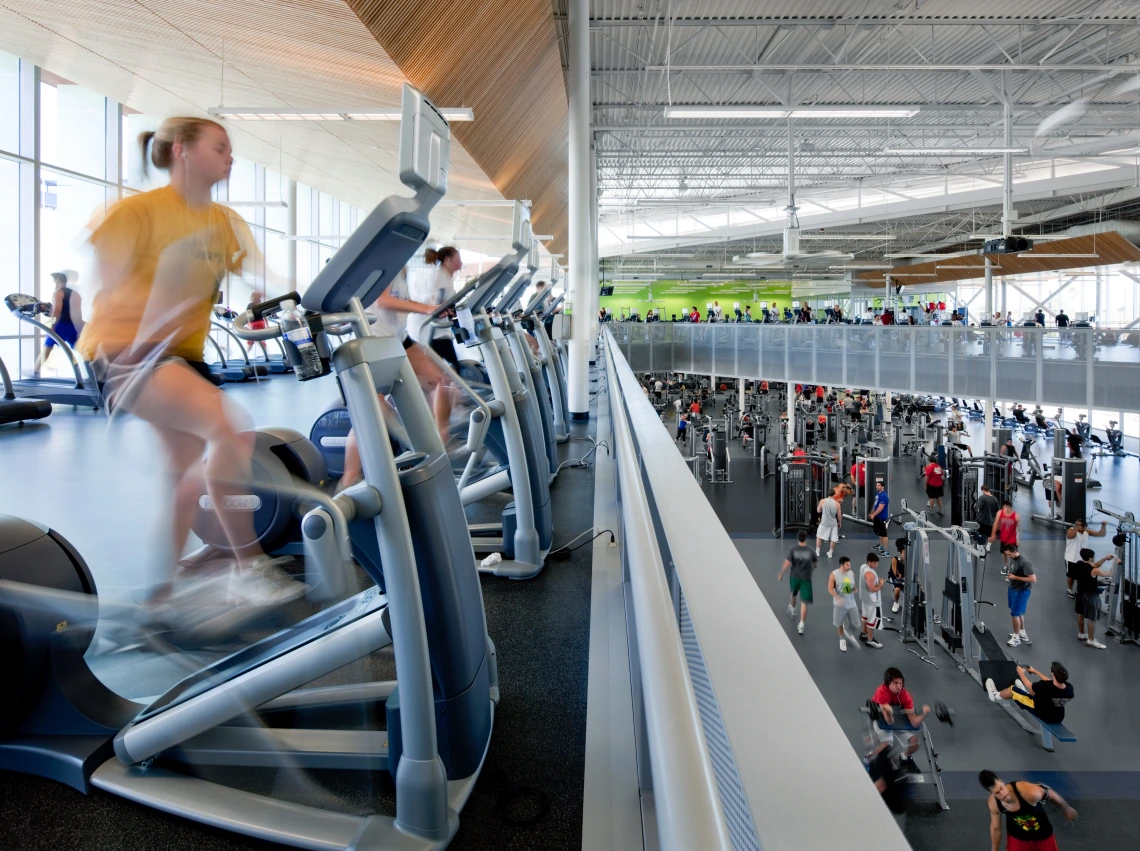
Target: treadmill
13,410
80,389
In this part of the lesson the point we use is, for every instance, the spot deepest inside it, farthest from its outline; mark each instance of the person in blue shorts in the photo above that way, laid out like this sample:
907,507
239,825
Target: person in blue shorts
1021,578
66,314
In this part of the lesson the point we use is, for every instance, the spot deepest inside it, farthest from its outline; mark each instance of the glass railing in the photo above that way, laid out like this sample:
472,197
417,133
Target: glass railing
729,723
1076,367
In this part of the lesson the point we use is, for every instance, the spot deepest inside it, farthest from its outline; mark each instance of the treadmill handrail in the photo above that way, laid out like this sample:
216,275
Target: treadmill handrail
6,381
225,328
80,383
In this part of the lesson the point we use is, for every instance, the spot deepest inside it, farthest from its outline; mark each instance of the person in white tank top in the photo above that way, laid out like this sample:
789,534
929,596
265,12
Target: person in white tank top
1077,539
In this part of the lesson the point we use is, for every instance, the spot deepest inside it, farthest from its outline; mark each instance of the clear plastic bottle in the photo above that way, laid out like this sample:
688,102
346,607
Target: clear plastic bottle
296,330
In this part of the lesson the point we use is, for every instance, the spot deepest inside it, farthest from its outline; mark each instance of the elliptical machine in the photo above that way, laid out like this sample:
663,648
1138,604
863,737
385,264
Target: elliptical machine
59,721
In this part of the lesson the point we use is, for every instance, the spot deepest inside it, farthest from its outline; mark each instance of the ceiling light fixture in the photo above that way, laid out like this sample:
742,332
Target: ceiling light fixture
914,274
978,266
868,236
982,149
712,111
313,113
870,267
1037,236
908,254
477,238
1057,254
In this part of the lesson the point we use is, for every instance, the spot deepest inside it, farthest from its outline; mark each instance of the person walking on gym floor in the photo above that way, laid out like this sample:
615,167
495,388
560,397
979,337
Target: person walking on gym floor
66,315
830,511
845,611
682,427
1077,539
1045,698
871,600
891,697
880,515
801,561
162,256
1085,574
985,512
1005,530
933,474
1021,579
897,573
1022,803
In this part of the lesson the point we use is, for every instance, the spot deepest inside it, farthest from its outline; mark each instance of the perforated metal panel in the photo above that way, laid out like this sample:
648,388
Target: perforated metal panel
971,350
683,348
748,349
737,813
894,357
801,342
637,355
932,360
1064,367
829,355
862,348
661,346
703,349
772,342
724,349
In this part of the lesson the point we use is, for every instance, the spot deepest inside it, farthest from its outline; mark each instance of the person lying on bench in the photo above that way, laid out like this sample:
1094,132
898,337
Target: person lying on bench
1045,698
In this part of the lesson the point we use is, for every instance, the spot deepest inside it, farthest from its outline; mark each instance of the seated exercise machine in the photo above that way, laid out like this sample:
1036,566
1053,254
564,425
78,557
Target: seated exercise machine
718,460
878,469
61,722
13,410
895,736
80,388
1072,505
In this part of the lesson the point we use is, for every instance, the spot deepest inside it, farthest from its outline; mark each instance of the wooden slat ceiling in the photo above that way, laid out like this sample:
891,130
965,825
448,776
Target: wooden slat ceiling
166,57
1109,248
501,58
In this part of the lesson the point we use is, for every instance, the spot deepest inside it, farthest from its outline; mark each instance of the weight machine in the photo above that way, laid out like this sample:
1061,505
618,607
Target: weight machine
1124,587
804,481
878,469
1073,503
718,464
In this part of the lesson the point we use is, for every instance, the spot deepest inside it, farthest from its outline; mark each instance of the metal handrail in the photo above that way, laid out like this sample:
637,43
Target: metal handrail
689,812
781,733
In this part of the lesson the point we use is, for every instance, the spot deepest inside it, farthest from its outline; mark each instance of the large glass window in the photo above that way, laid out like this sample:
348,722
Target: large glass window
9,246
73,132
9,103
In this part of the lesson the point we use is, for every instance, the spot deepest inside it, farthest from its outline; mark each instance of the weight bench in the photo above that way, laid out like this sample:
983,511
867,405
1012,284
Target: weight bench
1036,727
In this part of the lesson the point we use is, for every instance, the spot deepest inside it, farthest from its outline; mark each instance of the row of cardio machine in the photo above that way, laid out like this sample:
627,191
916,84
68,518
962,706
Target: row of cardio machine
430,728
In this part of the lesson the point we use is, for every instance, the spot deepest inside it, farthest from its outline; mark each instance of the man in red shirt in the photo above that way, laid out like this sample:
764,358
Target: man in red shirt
934,485
695,408
894,701
1005,530
859,477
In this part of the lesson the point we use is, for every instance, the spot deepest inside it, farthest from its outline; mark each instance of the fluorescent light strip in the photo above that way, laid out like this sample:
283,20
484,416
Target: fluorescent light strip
1040,237
289,113
905,254
711,111
1059,254
985,149
475,238
868,268
868,236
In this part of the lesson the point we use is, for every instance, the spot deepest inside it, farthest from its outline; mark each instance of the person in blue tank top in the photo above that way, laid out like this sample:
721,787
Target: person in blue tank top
66,314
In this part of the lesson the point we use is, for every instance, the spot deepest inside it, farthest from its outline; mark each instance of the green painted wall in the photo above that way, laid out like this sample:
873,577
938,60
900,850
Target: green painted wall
670,304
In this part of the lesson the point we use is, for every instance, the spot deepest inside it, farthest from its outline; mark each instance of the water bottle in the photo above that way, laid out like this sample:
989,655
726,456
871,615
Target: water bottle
296,330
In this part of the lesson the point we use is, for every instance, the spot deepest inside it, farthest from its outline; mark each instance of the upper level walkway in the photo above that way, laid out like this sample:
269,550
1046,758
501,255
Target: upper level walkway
1076,367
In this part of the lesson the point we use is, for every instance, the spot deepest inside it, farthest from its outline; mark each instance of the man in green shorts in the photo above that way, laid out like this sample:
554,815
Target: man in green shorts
801,561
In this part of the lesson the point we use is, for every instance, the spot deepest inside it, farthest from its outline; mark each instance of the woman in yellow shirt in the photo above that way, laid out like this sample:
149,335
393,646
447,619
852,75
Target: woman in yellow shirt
162,256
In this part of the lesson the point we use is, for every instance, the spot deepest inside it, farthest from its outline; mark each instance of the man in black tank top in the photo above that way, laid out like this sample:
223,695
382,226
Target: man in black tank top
1023,805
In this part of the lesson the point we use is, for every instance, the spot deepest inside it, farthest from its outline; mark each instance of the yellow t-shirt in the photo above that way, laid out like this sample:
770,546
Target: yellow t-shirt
162,263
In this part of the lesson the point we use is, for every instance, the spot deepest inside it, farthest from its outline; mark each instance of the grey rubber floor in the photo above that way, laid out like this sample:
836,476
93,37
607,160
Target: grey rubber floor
1101,766
101,485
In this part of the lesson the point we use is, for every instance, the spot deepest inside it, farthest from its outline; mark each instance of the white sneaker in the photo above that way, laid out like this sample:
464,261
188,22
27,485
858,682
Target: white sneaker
829,553
262,582
1092,642
873,643
800,628
1082,636
791,611
988,545
1024,638
991,689
1014,641
817,552
895,607
843,644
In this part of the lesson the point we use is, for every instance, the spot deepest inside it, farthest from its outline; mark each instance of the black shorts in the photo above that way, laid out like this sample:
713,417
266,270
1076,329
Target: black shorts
407,342
934,491
985,529
443,347
1088,606
120,383
880,527
1071,569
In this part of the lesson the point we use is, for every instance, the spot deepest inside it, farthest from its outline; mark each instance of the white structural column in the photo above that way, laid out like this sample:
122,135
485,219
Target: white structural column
29,197
989,288
592,276
291,231
580,209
